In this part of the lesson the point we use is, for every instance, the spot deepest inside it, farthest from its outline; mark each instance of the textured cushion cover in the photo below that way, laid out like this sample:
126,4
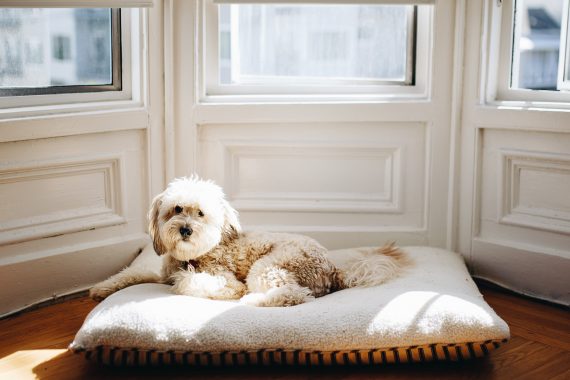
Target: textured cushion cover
433,311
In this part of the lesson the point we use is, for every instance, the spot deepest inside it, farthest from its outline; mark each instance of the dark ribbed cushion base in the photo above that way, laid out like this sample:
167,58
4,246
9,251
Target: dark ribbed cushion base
413,354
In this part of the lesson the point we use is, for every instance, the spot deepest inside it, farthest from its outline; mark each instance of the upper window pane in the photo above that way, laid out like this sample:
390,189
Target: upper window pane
45,48
536,44
315,44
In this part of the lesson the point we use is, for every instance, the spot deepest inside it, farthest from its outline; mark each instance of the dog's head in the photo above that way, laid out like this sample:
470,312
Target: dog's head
190,218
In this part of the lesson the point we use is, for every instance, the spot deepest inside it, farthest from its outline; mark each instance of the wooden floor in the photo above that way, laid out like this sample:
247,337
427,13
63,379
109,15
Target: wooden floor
33,345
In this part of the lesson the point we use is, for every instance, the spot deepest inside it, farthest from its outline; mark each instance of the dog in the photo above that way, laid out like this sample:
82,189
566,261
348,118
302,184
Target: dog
206,254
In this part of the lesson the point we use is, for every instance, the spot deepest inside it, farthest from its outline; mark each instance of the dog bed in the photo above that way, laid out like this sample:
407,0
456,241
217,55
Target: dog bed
432,311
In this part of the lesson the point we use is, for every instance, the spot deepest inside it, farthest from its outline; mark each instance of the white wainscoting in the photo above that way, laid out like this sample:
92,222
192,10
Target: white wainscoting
525,189
521,236
76,178
514,198
61,196
325,177
335,177
536,190
66,201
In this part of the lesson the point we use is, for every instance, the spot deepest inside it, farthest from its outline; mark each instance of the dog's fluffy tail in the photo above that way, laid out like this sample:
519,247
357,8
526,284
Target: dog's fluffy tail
366,267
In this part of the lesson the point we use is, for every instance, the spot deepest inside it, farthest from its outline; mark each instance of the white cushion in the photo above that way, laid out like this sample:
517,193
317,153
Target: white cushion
434,301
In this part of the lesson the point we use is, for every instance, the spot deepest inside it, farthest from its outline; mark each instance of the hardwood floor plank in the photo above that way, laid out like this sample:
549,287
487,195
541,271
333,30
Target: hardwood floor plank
534,320
563,376
558,365
549,312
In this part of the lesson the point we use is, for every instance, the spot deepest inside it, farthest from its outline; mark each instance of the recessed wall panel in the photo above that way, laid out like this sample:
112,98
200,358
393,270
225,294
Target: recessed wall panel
343,176
525,190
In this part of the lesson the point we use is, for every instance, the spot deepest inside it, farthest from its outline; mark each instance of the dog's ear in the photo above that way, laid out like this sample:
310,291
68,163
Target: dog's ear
153,226
231,227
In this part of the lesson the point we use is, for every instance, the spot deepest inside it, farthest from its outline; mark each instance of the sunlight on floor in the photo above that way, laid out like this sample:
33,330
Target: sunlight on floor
20,364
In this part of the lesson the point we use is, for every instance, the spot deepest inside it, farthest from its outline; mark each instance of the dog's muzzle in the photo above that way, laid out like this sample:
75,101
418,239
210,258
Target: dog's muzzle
185,232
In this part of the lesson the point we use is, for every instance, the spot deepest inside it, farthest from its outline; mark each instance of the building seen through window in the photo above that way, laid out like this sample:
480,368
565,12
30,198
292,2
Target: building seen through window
536,53
55,47
305,43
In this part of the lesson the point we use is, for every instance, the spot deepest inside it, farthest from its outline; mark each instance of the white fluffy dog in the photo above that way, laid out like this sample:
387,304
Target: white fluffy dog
207,255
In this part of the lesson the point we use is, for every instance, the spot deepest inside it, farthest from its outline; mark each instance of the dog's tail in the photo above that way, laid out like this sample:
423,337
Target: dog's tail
366,267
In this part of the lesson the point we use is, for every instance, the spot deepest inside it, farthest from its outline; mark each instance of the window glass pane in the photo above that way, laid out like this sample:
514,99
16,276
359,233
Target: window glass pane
55,47
313,43
536,44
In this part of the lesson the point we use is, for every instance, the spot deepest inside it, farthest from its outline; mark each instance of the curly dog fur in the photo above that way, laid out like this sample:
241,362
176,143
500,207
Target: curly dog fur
207,255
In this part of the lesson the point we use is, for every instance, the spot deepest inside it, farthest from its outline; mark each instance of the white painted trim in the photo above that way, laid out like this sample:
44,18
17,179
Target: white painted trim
337,237
455,132
60,125
88,262
510,212
76,3
387,202
516,289
314,112
155,29
24,106
39,226
496,58
563,82
169,90
386,2
210,91
531,270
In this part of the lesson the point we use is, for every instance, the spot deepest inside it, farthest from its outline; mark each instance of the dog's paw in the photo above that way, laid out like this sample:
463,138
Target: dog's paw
218,287
253,299
289,295
99,293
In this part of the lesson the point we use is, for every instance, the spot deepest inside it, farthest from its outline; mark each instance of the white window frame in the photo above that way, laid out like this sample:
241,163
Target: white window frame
564,59
497,55
132,75
210,91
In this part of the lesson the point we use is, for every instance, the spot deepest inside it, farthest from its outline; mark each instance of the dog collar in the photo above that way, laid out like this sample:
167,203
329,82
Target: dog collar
191,263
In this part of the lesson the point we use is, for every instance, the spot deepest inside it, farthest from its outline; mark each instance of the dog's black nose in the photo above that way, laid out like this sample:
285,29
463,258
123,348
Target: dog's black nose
185,231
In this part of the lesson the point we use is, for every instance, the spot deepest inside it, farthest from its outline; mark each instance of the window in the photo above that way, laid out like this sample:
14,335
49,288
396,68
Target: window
536,44
51,51
61,48
317,43
532,57
276,49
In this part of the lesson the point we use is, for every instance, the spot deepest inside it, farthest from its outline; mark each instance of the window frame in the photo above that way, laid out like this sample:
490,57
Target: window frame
116,72
502,35
210,90
130,67
563,81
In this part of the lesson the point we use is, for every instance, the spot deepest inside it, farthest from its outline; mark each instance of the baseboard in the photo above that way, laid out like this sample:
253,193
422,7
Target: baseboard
31,282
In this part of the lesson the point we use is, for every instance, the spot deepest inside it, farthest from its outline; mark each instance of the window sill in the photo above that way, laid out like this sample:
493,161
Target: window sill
71,119
416,96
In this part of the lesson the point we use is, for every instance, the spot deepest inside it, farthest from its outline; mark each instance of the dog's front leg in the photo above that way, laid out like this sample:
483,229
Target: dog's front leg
127,277
220,285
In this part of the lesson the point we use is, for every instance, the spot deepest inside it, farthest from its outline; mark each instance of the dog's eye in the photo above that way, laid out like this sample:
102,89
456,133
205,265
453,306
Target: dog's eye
178,209
200,213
